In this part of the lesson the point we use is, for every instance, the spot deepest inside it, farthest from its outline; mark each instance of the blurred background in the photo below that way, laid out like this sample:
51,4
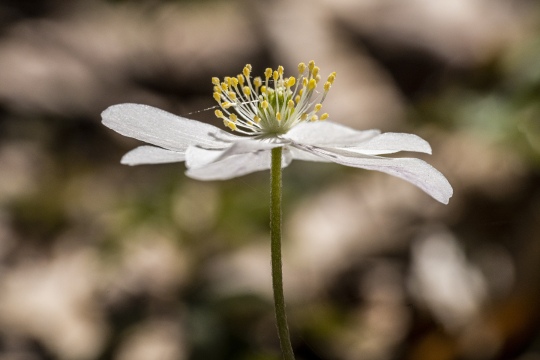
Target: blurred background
104,261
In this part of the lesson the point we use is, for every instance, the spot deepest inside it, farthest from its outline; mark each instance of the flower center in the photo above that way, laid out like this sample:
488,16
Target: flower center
273,106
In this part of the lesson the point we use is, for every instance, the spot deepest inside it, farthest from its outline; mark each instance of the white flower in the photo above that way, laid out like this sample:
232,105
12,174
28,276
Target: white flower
276,112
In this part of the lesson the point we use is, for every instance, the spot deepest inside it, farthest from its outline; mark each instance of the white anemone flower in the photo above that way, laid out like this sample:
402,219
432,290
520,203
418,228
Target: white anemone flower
274,112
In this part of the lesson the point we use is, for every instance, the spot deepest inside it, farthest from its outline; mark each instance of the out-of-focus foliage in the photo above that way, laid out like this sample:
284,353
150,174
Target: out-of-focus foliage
104,261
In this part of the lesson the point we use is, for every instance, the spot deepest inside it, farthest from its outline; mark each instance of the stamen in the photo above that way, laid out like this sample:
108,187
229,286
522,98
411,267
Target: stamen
230,124
290,104
257,82
247,70
291,81
253,107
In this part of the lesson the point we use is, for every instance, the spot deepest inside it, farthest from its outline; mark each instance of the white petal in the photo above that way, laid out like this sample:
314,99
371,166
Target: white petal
389,143
298,154
250,145
163,129
197,156
327,133
237,165
151,155
415,171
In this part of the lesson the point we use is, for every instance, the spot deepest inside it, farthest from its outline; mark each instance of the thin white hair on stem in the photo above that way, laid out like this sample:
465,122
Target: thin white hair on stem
202,110
217,106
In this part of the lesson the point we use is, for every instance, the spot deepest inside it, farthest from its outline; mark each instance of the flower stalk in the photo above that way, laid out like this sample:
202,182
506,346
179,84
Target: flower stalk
275,236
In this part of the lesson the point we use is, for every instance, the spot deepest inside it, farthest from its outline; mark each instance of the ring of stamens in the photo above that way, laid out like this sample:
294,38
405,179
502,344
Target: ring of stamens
257,107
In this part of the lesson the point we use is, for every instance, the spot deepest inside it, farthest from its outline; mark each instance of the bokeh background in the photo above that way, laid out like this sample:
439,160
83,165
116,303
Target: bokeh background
104,261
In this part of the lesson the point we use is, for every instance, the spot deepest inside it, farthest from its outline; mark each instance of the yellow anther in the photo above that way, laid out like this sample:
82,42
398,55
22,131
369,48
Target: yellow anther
324,116
276,75
226,105
215,81
301,91
257,119
233,118
247,90
314,118
263,89
278,116
317,78
217,89
304,82
290,104
241,79
280,70
311,65
327,86
318,107
247,70
218,113
234,82
230,124
264,104
224,86
312,84
315,71
268,73
217,97
297,99
303,117
257,82
232,95
291,81
301,68
332,77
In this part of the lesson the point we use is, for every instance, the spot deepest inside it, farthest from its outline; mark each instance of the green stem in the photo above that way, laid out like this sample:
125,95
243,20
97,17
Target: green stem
275,235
